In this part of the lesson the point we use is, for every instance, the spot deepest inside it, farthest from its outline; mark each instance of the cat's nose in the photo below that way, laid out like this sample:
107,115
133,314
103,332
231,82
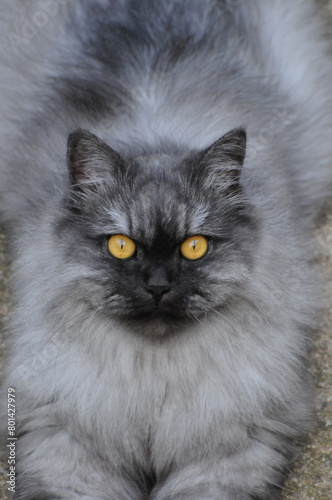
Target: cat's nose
157,291
157,282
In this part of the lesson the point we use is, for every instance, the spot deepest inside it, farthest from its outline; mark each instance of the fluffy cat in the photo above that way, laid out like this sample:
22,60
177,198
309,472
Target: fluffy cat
162,164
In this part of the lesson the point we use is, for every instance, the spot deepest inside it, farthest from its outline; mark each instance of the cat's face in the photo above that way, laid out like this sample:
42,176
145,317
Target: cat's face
154,204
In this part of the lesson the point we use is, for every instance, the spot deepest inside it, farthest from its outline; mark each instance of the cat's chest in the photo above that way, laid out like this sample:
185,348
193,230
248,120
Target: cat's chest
155,401
155,420
140,397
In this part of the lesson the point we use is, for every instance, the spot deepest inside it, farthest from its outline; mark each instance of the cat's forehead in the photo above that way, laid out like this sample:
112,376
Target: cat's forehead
167,209
158,207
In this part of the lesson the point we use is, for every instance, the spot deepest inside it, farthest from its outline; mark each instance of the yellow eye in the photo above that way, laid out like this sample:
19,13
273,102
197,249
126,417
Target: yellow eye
194,248
121,247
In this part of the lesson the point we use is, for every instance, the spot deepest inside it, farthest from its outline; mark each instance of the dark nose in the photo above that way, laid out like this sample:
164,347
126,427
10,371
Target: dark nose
157,282
157,291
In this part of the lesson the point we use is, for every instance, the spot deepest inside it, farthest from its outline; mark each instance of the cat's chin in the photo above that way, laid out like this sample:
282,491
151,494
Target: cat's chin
156,324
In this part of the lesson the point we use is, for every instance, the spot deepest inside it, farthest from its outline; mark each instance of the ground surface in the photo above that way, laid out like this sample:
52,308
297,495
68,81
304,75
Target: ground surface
312,475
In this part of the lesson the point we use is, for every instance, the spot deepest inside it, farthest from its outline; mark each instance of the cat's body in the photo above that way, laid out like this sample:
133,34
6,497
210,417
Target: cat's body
203,397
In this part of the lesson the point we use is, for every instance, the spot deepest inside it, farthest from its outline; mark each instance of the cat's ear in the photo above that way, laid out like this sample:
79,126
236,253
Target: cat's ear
221,163
90,160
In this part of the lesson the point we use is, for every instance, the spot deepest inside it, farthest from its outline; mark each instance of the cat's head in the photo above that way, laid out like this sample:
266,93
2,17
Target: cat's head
168,237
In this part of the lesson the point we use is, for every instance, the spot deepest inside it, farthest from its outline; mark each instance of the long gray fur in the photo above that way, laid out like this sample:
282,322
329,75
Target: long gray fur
210,404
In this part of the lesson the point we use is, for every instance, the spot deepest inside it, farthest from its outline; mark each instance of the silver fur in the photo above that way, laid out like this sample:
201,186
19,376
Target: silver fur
213,412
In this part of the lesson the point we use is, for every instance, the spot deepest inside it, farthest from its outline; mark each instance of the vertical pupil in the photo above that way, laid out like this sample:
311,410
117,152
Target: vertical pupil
122,244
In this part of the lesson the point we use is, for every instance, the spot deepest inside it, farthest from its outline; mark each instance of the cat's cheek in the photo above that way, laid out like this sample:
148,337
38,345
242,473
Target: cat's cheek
197,305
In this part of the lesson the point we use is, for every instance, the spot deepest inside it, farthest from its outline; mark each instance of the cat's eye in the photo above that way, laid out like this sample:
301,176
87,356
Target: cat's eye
121,247
194,248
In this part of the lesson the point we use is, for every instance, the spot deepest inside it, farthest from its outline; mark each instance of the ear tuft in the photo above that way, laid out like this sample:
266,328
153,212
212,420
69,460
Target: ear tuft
222,162
90,160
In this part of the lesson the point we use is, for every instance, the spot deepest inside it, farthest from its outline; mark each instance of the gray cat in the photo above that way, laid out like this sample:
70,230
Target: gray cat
162,163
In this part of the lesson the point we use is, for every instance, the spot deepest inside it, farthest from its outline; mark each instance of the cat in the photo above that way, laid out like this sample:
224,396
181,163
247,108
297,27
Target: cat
163,164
